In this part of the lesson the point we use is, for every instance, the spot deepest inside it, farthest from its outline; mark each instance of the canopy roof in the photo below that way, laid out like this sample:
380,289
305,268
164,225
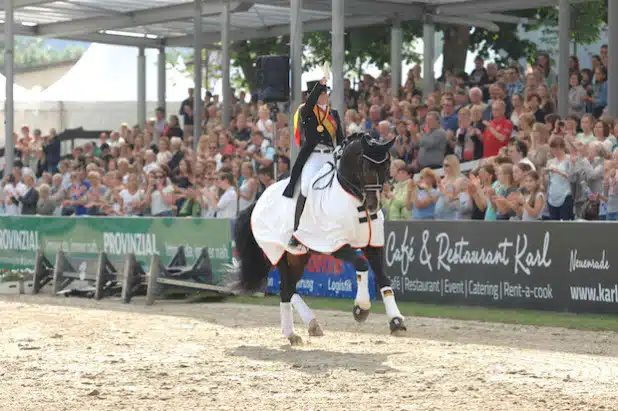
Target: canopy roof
157,23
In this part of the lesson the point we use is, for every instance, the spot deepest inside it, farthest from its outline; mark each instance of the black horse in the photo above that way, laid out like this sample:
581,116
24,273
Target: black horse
362,171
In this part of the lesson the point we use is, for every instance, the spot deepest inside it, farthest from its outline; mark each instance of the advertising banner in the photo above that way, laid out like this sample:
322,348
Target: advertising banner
82,238
546,265
325,276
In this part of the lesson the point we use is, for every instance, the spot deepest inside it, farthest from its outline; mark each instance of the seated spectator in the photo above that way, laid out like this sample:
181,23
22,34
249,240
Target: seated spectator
248,189
160,195
394,199
173,128
266,176
177,154
260,151
518,153
226,204
46,205
283,167
96,194
75,204
132,198
10,195
243,129
30,197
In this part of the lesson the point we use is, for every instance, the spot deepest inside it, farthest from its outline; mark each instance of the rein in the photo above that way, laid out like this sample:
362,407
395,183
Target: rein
357,190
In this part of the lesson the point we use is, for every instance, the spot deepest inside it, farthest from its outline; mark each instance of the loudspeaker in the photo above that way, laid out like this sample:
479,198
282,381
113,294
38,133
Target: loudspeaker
273,78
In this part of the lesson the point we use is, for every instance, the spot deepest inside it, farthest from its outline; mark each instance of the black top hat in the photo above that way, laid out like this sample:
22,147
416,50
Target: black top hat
376,149
312,84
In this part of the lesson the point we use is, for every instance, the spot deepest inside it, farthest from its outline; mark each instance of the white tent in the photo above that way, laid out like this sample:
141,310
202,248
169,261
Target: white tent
109,73
19,93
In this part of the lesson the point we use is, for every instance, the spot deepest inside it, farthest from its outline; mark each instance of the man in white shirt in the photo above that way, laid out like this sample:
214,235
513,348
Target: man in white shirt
518,152
261,152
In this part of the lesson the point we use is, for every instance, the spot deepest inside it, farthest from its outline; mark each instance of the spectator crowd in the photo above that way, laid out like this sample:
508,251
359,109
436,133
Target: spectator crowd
488,144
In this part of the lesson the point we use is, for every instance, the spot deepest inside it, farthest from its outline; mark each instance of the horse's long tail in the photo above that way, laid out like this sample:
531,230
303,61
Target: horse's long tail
254,266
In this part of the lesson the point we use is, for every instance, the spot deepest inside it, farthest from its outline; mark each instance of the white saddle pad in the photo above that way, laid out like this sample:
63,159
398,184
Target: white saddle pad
331,219
272,220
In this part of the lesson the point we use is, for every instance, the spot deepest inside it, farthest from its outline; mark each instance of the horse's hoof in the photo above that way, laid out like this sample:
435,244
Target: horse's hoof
295,340
315,329
397,326
360,315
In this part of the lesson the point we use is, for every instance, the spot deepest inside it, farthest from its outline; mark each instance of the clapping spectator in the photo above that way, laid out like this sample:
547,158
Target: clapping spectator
132,197
160,195
394,199
224,205
432,145
559,174
28,200
46,205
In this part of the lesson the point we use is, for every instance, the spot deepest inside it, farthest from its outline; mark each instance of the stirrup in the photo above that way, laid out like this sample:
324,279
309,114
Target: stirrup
296,246
294,242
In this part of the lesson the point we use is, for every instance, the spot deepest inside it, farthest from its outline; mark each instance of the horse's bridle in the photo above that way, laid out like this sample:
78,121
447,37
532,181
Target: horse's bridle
360,191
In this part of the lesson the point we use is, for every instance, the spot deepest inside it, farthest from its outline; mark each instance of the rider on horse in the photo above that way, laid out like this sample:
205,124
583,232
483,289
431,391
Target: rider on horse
321,128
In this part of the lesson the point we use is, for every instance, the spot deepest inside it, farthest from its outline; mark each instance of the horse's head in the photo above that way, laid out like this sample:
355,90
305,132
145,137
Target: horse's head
365,164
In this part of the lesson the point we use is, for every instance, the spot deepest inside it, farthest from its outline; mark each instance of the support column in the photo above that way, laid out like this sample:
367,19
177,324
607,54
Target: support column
564,41
396,46
612,88
197,73
225,64
338,55
161,78
429,77
9,109
296,53
141,86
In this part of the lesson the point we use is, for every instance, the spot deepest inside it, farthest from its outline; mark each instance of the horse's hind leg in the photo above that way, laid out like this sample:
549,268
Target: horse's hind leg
285,306
395,318
296,268
362,301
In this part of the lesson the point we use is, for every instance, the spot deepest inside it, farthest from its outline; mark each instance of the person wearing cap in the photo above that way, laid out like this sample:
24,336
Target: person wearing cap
321,128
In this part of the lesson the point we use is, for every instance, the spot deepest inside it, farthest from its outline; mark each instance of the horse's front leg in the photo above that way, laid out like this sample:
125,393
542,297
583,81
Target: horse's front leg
395,318
362,301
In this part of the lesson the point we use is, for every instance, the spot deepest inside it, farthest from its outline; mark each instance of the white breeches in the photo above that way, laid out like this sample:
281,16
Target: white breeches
314,163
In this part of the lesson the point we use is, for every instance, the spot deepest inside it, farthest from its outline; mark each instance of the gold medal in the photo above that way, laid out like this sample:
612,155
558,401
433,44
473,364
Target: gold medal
320,128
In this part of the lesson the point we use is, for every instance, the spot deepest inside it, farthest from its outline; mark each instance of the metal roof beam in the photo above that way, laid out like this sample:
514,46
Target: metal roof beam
495,17
275,31
19,30
132,19
17,4
369,7
465,21
474,7
505,18
118,40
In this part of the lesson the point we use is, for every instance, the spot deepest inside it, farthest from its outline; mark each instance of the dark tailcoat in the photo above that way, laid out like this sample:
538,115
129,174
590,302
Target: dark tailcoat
308,124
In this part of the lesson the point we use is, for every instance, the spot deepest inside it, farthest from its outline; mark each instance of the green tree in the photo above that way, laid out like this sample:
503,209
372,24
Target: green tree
363,45
243,55
245,52
31,52
587,21
210,63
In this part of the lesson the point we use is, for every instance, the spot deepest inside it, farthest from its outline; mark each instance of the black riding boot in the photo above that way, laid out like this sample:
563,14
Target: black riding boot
300,206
